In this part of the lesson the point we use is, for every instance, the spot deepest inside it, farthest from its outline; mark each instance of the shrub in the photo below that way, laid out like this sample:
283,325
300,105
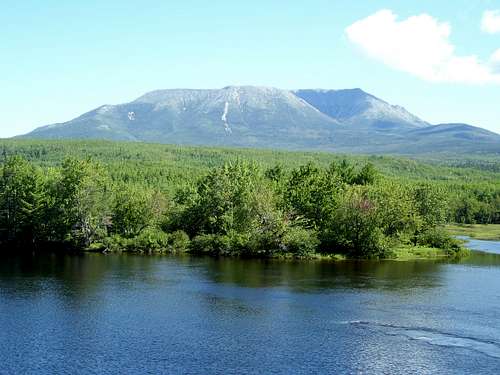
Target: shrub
231,244
439,239
151,240
116,243
300,241
210,244
178,242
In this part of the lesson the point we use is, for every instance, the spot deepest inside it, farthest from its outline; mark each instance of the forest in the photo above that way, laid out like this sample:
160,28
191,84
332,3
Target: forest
107,196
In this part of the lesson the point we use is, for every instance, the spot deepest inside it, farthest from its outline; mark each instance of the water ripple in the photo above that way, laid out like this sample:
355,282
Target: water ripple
435,337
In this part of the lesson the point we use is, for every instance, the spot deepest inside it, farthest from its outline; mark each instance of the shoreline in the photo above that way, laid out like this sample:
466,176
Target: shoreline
400,254
486,232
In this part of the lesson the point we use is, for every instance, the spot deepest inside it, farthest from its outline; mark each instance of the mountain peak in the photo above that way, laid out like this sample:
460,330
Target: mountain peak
348,120
359,108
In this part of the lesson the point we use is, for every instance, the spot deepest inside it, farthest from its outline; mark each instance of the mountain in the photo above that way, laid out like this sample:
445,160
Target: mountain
357,108
234,116
247,116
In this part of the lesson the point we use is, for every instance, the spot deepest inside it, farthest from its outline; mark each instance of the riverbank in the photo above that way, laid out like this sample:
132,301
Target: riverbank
399,253
405,253
488,232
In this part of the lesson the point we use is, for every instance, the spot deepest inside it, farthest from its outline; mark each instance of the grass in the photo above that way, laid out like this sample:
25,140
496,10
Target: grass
402,253
314,256
478,231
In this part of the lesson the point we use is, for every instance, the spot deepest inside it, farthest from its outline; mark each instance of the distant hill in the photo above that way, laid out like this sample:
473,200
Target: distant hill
247,116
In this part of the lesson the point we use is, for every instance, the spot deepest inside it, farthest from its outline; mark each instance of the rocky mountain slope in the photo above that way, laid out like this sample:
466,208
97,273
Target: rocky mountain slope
247,116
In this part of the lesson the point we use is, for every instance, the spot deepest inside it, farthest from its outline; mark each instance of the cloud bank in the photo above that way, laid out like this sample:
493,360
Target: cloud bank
420,45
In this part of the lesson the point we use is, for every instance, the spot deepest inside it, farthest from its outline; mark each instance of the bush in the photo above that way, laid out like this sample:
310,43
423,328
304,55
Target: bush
150,240
231,244
116,243
178,242
210,244
439,239
300,241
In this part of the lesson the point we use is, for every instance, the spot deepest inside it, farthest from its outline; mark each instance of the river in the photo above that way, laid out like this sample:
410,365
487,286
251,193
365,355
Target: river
130,314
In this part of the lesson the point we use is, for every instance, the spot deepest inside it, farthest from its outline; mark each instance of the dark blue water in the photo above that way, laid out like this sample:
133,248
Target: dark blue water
118,314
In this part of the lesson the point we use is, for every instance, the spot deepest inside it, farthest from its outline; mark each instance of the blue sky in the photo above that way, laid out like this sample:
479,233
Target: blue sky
436,58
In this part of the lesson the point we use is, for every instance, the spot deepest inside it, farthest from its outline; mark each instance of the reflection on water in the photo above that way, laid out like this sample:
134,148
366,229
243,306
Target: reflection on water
321,275
85,272
105,314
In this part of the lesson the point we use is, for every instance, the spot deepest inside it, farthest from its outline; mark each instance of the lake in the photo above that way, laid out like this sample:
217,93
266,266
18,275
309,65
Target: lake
132,314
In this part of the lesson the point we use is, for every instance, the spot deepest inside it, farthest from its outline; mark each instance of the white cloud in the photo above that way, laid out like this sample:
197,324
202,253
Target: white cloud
495,61
490,23
420,45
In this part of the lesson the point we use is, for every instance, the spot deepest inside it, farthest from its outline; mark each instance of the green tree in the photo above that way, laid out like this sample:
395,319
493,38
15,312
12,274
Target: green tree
233,210
81,206
22,198
398,216
344,170
355,229
221,200
367,175
466,209
431,204
135,209
312,193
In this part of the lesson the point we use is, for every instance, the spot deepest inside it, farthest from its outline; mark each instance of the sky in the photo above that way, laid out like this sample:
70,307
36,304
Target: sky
438,59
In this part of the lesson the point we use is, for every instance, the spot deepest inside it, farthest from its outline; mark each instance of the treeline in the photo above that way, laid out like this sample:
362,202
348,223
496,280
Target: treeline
471,187
239,208
475,204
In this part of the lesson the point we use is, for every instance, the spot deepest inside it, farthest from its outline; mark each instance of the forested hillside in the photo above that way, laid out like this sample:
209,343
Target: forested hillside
141,197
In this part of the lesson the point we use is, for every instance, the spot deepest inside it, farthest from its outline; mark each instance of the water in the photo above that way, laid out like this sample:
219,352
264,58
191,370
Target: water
124,314
481,245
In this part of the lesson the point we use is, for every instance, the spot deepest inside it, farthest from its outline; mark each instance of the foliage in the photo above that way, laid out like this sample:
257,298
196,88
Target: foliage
223,200
396,210
149,240
80,211
312,192
136,209
355,228
232,202
431,203
21,201
438,239
300,241
178,242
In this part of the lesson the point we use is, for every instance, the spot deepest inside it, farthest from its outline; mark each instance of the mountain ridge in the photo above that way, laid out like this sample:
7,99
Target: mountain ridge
346,120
